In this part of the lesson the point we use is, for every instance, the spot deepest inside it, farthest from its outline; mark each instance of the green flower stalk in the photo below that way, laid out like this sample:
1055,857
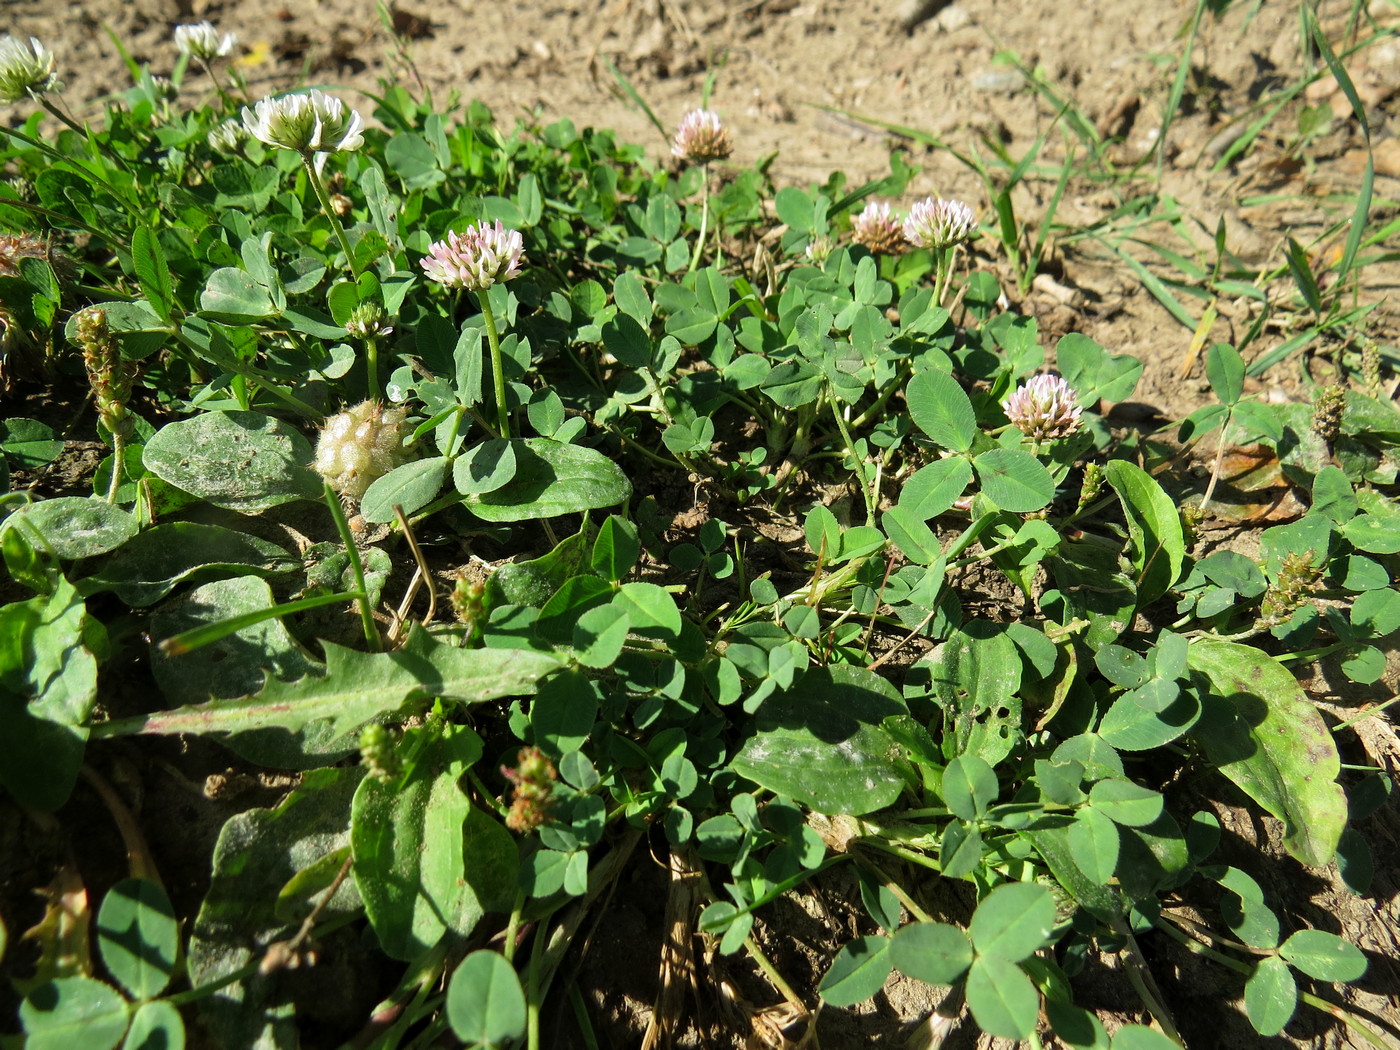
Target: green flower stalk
203,43
701,139
477,258
111,378
314,125
366,323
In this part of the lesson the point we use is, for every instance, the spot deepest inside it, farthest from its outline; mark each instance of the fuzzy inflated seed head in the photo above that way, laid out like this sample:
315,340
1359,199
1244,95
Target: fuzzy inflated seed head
701,138
202,41
878,230
1044,406
312,122
936,223
360,445
25,68
475,259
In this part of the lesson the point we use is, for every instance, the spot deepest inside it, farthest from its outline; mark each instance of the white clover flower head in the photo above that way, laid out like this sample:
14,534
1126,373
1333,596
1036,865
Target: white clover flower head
937,223
476,258
310,122
700,138
227,137
202,41
878,230
1044,406
25,69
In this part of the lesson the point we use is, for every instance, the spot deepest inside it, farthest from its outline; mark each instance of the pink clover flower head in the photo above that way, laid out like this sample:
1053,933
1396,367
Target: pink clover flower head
700,138
202,41
937,223
308,122
25,69
878,230
476,258
1044,406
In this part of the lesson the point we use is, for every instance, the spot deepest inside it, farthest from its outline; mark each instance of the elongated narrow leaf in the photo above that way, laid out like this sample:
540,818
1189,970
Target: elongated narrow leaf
357,687
148,257
1154,526
153,564
1259,728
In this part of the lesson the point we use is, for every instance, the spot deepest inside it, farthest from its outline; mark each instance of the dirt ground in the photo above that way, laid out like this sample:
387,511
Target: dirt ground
782,69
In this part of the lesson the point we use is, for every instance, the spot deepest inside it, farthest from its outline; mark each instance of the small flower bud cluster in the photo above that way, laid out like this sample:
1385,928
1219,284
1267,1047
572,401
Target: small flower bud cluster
878,230
468,604
310,122
109,375
1042,407
1327,415
1297,579
1371,368
533,777
25,69
360,445
701,138
202,41
379,752
475,259
939,224
1090,487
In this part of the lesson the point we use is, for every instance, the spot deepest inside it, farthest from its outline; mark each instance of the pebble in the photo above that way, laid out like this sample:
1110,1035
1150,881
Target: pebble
1007,81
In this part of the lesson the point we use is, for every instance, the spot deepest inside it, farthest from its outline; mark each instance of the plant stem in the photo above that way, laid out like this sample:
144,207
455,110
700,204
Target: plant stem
859,463
331,216
118,454
771,972
704,217
498,373
372,366
357,567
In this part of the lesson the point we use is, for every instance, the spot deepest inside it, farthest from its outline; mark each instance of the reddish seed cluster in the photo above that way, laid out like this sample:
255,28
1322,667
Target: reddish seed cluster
533,777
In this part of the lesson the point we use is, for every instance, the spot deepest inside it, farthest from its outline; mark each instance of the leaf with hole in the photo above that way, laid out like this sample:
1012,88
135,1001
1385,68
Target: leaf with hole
243,461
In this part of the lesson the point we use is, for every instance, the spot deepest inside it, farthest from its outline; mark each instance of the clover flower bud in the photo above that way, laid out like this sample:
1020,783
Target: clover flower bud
878,230
25,69
359,446
202,41
819,249
700,138
476,258
311,122
227,137
938,224
366,321
1044,406
379,753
